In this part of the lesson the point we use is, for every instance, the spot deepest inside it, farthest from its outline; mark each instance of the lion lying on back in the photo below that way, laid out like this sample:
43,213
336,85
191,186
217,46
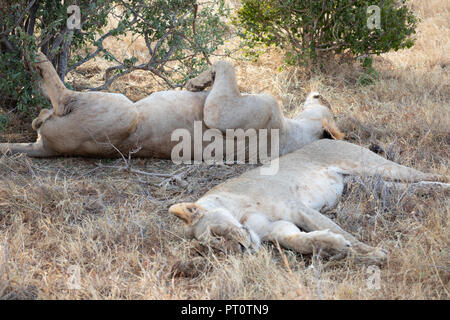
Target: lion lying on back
286,207
99,124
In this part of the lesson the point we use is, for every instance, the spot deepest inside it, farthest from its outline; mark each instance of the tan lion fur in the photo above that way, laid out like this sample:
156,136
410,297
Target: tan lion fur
98,124
285,207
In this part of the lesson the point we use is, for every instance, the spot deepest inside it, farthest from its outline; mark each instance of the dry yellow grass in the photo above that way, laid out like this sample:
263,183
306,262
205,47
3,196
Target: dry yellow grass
114,226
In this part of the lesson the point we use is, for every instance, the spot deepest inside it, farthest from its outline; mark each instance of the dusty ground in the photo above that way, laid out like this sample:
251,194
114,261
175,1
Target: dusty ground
61,217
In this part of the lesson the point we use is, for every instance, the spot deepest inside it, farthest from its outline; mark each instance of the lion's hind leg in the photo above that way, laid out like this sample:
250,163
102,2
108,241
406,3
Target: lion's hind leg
421,187
361,161
290,236
54,88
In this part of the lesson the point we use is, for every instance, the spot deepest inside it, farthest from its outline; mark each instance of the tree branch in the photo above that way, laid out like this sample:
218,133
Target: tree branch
100,47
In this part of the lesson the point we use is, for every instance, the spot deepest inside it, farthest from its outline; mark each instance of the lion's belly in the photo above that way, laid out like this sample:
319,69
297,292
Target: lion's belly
279,197
160,115
320,189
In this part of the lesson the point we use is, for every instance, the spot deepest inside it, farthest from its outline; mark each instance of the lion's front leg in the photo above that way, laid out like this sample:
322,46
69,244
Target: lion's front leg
312,220
36,149
206,225
289,236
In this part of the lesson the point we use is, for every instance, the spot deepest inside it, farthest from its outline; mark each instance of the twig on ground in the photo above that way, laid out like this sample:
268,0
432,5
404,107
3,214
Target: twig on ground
128,168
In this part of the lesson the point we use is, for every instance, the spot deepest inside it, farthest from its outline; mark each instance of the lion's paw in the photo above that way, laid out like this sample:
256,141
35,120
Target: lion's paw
200,82
330,240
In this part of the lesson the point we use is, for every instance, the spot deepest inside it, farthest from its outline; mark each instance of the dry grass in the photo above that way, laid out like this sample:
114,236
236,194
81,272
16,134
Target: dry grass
113,225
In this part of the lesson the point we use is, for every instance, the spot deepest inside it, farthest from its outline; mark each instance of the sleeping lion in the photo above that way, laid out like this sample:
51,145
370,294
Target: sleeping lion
285,207
102,124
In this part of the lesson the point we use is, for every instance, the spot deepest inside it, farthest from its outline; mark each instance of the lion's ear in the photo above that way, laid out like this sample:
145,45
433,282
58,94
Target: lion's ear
189,212
331,130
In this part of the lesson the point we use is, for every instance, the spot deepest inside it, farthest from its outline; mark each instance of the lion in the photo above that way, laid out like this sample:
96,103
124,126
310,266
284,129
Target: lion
102,124
286,207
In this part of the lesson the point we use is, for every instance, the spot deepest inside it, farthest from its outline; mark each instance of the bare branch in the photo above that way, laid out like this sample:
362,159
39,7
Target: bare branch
16,24
128,168
9,45
100,47
166,80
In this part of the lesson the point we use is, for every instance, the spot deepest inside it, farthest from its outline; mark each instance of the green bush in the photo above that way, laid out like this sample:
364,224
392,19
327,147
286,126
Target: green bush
18,86
29,25
308,29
